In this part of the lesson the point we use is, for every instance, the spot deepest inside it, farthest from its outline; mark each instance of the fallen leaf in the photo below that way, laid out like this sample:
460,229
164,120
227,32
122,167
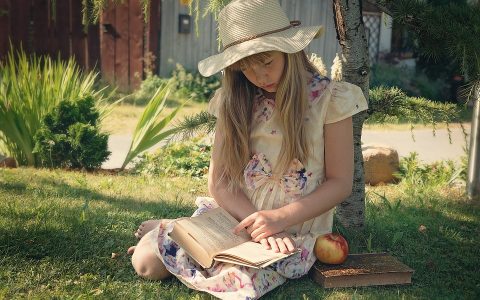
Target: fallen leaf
97,292
422,228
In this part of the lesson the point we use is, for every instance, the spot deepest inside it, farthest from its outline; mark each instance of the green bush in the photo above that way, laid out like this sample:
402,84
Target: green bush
147,89
151,128
186,85
69,137
422,178
188,158
30,87
194,85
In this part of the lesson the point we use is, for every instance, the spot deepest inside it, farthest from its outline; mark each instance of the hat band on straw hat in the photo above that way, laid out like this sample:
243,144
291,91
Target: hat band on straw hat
248,38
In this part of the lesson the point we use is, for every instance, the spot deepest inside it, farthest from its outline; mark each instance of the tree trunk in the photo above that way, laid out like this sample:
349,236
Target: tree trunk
355,66
473,180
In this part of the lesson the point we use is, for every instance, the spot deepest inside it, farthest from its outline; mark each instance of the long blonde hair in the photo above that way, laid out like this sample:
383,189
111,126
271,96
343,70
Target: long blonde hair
235,114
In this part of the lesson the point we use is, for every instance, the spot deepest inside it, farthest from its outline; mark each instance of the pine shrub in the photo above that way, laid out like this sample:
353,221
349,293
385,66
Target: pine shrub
69,137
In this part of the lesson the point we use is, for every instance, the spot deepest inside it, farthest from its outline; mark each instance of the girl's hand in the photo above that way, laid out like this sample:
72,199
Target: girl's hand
280,242
262,224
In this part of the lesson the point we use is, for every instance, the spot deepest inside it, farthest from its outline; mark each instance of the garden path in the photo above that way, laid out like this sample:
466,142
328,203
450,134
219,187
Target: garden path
430,148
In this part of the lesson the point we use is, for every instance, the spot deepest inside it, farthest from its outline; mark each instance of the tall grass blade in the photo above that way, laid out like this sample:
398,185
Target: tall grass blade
150,130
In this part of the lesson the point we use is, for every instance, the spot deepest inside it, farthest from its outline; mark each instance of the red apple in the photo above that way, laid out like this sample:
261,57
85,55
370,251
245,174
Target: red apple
331,248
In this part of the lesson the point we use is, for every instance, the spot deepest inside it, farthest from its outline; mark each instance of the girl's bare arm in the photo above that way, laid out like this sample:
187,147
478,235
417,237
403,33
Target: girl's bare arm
338,175
336,187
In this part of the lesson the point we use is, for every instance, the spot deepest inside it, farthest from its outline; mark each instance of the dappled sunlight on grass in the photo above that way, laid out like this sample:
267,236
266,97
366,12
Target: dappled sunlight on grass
437,235
58,230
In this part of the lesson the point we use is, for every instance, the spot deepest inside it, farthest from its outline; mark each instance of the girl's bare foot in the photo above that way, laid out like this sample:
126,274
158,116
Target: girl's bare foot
143,229
146,227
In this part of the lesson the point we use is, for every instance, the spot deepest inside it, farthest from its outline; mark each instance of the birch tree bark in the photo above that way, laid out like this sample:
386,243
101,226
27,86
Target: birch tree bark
355,67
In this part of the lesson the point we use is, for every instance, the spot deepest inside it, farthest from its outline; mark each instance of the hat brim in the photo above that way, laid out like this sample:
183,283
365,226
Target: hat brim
288,41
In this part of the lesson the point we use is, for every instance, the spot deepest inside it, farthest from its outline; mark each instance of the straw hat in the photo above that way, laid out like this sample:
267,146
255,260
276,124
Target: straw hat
248,27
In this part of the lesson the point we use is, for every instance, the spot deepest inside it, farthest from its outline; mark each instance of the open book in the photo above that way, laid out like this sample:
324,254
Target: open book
209,237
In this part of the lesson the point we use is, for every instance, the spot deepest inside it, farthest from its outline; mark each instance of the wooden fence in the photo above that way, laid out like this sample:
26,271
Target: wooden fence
116,46
125,39
38,28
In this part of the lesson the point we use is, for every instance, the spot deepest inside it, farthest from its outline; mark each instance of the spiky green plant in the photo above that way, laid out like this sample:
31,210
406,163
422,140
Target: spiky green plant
202,122
30,87
151,130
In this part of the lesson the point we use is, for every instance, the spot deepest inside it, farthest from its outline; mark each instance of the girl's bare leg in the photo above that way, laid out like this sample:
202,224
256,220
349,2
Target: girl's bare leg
145,261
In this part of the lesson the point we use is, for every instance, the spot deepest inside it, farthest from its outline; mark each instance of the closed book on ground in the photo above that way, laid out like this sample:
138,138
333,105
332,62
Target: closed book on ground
362,270
209,237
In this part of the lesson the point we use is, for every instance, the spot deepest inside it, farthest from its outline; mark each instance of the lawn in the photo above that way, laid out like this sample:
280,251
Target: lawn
124,117
58,230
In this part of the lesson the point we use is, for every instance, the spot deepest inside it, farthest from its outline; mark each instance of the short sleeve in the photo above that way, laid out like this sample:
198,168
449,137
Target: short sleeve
346,100
214,104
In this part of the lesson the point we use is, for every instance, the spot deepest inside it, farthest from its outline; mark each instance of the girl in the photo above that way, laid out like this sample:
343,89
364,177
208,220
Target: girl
282,157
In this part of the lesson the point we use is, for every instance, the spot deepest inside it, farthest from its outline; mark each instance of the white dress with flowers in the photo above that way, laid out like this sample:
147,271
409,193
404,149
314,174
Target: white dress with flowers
329,102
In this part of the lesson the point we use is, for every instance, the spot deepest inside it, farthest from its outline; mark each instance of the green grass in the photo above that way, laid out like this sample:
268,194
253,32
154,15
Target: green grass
124,117
59,229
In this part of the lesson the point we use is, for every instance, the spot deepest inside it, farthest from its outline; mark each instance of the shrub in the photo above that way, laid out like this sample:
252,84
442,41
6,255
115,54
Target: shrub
190,158
423,178
194,85
148,87
30,87
186,85
69,137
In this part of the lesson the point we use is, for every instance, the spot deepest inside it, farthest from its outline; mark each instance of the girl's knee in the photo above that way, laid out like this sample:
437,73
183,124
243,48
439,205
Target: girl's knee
147,264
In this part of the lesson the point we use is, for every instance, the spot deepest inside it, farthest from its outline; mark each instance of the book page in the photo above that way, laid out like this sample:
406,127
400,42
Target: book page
239,261
214,230
254,253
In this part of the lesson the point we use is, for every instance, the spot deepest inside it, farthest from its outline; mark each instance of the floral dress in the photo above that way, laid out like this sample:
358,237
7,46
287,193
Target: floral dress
329,102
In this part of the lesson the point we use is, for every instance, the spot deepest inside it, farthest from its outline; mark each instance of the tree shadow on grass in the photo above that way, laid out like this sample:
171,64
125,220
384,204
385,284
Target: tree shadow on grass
439,242
60,224
60,231
444,255
444,262
165,208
